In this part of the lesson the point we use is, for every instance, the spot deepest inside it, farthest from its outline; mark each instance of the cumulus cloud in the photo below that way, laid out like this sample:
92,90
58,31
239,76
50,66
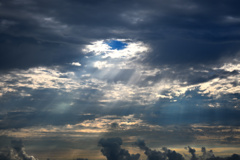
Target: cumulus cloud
158,155
76,64
192,151
172,155
111,148
206,154
168,154
16,152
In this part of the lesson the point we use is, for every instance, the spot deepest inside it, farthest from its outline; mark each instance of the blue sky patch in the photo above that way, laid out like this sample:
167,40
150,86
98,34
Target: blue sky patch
118,45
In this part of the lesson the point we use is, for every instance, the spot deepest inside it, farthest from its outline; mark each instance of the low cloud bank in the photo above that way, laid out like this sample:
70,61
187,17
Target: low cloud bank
111,149
167,154
16,152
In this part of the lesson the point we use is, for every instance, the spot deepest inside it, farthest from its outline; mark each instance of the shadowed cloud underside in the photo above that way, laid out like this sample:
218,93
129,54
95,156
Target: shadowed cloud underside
77,74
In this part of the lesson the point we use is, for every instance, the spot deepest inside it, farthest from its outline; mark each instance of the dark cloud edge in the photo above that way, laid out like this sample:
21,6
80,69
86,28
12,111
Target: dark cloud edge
111,149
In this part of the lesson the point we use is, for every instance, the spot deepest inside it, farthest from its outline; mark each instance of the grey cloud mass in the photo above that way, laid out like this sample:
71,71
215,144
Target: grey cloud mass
158,155
111,148
75,73
17,152
177,31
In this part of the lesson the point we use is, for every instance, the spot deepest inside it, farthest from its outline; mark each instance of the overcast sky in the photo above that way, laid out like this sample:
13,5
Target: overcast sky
77,76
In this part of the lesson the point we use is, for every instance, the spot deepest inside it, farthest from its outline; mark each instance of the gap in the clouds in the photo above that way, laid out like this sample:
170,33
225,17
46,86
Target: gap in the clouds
115,44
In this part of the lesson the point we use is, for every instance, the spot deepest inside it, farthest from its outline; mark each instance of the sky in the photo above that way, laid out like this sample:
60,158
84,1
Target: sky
119,80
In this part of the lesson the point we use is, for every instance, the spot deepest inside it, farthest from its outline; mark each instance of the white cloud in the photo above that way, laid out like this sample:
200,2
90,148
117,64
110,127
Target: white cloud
144,95
97,48
42,78
102,64
218,87
230,67
216,105
76,64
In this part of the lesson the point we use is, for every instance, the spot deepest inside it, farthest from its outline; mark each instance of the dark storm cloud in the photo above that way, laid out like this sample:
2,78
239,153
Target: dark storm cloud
25,52
193,110
27,119
17,145
177,31
158,155
192,151
111,148
172,155
187,38
233,157
47,107
207,154
191,75
16,151
190,52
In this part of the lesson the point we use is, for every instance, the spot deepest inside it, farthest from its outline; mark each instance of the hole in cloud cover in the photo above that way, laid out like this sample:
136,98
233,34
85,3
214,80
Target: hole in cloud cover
115,44
117,49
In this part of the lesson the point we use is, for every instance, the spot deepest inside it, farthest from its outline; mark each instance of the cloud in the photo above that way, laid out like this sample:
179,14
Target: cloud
192,151
16,152
20,152
158,155
206,154
173,155
25,52
76,64
111,148
19,120
172,29
233,157
138,66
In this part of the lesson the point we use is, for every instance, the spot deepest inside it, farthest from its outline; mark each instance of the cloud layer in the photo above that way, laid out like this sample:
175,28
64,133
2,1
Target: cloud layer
163,71
111,149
